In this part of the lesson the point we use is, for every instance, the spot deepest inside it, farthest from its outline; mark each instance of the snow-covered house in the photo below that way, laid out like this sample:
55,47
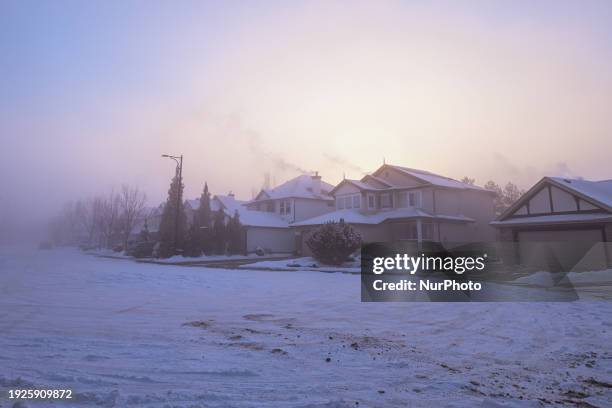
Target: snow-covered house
399,203
560,220
266,218
263,228
295,200
151,219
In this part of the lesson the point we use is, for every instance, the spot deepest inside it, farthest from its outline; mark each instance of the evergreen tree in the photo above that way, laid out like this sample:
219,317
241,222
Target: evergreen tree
235,241
219,232
192,241
203,220
171,237
333,242
144,232
198,236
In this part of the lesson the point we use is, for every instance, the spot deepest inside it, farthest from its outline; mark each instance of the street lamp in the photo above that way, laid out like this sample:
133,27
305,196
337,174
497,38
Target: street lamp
179,172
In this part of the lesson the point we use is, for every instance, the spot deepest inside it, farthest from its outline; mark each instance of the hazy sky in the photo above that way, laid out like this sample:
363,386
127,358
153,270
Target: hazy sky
93,92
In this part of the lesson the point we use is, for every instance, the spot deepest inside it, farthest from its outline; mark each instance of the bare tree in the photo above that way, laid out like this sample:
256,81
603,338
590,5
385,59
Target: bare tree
109,220
132,206
511,194
89,214
70,223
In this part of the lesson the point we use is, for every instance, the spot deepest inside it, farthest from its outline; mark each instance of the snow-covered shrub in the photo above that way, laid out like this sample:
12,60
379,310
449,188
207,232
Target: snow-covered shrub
332,243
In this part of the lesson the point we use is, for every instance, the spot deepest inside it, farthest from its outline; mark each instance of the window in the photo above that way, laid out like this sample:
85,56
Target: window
414,199
270,206
282,207
287,207
348,201
408,199
427,231
371,201
385,201
408,230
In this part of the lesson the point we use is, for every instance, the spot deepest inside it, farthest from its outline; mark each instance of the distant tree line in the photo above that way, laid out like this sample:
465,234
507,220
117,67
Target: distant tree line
109,221
504,197
101,221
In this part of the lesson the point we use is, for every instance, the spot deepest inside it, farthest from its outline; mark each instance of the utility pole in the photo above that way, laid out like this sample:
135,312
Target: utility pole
179,174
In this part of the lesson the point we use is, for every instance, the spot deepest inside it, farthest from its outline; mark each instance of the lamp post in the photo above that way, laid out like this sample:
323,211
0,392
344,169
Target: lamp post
179,173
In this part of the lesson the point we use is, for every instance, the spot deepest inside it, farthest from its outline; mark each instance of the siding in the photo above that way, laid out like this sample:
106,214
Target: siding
304,209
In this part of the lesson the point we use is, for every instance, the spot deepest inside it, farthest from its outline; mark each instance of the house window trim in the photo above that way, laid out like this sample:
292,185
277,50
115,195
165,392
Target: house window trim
347,201
371,204
417,199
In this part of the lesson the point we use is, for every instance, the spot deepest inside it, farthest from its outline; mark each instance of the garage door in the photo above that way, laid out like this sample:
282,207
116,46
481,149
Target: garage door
563,250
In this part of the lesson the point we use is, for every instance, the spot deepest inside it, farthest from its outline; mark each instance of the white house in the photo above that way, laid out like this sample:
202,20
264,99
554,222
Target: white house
560,223
298,199
399,203
269,215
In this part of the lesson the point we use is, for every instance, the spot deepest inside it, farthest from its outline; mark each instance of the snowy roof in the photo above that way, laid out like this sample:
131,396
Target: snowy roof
230,204
250,218
356,217
596,192
435,179
361,185
194,204
554,219
298,187
599,191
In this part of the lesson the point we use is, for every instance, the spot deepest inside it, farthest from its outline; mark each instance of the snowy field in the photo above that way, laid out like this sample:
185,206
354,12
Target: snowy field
124,334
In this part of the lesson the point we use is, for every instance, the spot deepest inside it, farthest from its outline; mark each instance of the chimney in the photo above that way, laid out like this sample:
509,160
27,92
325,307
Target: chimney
316,183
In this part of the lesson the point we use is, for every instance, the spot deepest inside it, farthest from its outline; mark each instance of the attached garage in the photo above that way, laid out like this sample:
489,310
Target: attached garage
560,224
274,240
562,249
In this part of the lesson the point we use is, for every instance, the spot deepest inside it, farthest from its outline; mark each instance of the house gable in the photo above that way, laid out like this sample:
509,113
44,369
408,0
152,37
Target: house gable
547,198
397,178
346,187
375,182
262,196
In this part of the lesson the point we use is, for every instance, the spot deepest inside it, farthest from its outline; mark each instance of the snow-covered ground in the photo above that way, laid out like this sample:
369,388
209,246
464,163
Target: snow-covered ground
126,334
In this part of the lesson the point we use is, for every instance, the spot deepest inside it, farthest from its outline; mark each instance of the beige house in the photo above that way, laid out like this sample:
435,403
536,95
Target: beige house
399,203
560,223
